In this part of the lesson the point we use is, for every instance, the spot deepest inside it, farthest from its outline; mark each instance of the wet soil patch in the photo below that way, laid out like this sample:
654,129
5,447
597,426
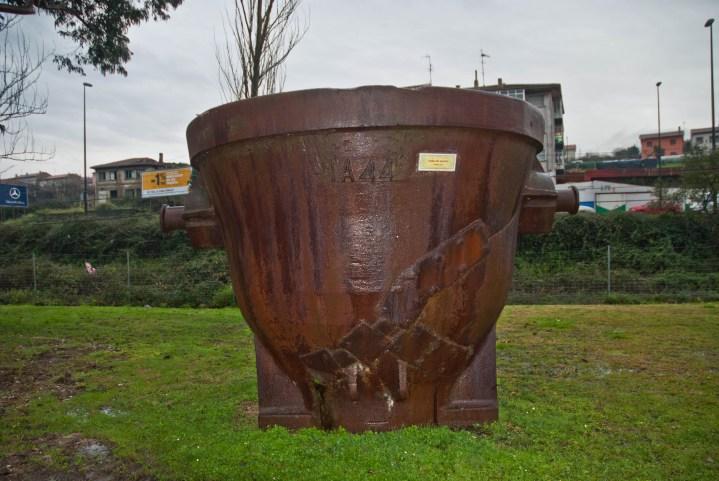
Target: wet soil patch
70,458
52,370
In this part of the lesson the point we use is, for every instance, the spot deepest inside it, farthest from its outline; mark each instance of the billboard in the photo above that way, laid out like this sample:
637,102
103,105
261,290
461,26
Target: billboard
162,183
13,195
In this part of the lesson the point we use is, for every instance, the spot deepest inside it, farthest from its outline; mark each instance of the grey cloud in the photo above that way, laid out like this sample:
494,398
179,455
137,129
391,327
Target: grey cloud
606,54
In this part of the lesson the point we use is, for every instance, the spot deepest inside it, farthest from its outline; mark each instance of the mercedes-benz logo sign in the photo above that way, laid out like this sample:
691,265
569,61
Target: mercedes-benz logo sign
15,193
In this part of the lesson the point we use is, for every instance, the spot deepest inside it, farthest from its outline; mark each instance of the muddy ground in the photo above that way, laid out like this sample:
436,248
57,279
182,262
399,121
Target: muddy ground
72,457
69,458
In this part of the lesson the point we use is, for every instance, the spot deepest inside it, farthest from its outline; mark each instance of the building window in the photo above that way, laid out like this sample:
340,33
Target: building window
514,93
673,142
700,140
106,175
113,194
130,174
649,143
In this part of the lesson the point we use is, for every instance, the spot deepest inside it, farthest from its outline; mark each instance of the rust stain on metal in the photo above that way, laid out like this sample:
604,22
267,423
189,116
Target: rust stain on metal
372,285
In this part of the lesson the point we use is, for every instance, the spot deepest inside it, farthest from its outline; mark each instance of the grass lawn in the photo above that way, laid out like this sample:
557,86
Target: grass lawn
586,392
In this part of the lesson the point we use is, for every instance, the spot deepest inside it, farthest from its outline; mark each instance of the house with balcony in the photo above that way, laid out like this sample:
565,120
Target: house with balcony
122,179
548,99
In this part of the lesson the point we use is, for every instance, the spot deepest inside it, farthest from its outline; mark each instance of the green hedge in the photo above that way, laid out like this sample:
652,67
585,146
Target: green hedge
674,255
639,242
94,237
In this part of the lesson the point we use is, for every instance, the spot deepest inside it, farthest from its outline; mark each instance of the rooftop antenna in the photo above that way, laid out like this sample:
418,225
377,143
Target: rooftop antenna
429,62
482,56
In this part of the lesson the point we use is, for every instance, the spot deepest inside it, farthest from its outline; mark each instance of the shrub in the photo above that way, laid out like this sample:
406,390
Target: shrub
17,296
224,297
672,256
621,299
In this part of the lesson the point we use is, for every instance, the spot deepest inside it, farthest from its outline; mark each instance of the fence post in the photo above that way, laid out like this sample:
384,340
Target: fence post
34,275
609,269
127,252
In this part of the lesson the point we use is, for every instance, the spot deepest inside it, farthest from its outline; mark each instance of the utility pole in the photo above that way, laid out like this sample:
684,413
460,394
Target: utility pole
709,24
84,140
429,62
482,56
659,149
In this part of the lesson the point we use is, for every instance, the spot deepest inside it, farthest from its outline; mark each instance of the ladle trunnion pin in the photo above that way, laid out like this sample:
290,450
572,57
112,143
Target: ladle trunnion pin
371,235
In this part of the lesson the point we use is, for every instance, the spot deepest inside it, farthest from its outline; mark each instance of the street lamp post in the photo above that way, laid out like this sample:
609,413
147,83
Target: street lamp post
709,24
84,139
659,147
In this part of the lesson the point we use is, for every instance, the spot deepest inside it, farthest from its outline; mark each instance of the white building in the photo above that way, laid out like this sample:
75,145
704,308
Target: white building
548,99
702,138
600,196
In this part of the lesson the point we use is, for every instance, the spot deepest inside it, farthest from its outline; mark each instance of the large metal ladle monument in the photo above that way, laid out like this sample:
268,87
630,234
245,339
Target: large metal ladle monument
371,235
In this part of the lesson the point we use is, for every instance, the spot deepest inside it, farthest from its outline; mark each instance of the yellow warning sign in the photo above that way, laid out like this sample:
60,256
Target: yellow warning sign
161,183
437,162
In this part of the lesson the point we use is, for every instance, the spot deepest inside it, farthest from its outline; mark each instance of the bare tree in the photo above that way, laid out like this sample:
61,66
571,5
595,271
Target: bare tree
20,68
259,36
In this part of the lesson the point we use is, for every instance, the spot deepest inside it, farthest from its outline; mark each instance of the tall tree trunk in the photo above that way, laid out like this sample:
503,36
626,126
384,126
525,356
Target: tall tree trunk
257,54
250,61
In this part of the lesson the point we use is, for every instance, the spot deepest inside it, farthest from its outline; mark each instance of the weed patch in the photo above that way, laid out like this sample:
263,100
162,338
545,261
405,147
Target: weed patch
586,393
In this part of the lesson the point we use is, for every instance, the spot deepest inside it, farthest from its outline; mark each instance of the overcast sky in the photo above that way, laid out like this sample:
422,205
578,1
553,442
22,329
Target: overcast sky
607,55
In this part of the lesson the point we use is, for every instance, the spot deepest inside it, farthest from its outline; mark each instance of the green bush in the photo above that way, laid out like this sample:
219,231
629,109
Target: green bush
224,297
92,238
622,299
670,256
642,242
17,296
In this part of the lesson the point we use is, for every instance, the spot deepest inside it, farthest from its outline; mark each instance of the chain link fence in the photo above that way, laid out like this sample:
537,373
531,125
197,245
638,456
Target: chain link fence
615,274
119,278
202,278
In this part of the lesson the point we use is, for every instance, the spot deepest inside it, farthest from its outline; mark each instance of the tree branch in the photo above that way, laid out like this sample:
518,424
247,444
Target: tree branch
258,39
19,96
